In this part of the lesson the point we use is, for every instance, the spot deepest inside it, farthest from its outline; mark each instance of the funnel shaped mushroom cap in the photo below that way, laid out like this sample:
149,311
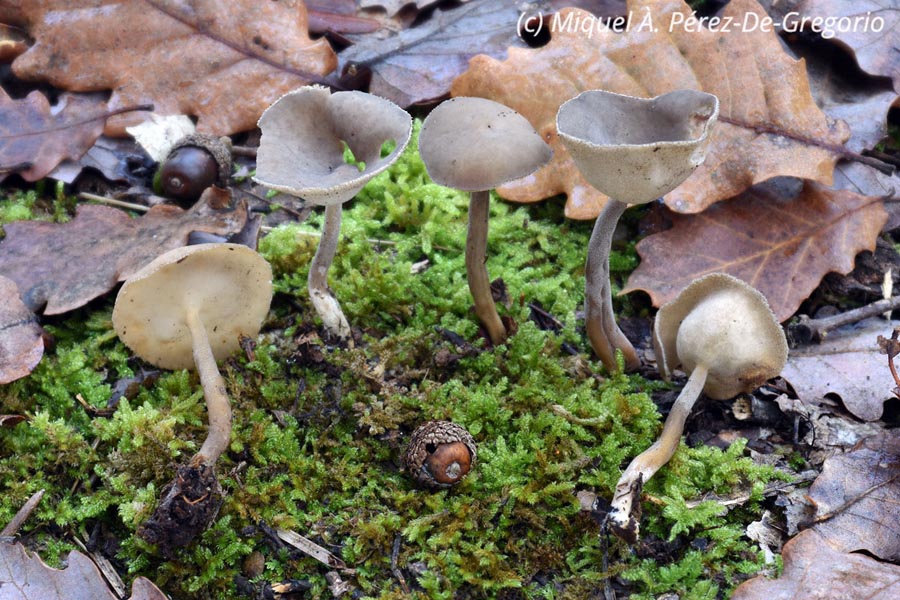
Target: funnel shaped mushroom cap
474,144
723,323
635,150
229,285
301,153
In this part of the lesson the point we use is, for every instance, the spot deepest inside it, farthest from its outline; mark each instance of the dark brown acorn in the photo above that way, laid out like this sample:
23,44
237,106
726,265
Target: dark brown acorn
440,454
196,162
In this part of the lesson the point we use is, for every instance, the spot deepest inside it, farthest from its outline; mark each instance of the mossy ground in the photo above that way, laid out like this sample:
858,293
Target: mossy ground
319,430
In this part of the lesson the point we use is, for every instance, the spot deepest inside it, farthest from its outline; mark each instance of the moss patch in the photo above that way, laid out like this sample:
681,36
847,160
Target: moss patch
319,431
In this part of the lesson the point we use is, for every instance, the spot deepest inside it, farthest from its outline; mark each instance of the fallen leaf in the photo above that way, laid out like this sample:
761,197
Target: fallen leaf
13,42
11,420
159,133
117,159
66,265
861,102
392,7
337,17
223,62
856,498
848,363
779,240
21,343
768,126
35,137
25,576
813,570
418,64
869,28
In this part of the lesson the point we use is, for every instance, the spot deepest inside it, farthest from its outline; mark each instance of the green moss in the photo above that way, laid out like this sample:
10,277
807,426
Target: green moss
319,432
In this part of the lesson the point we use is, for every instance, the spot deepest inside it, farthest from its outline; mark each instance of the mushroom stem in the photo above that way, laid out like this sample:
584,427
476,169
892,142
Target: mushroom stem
476,256
599,319
626,500
323,300
218,406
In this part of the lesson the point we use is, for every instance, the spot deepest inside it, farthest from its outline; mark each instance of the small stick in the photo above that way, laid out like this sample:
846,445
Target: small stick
20,517
244,151
113,202
395,554
817,329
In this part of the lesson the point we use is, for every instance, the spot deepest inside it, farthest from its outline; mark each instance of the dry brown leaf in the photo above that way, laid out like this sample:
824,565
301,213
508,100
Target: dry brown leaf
855,25
769,124
847,363
25,576
21,343
418,64
779,240
66,265
223,62
856,498
35,137
813,570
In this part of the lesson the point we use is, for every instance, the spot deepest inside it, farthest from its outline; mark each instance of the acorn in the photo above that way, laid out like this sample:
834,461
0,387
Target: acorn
440,454
196,162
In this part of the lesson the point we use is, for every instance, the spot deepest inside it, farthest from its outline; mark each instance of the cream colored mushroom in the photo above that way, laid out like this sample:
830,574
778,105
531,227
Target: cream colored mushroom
302,153
189,308
475,145
634,150
721,332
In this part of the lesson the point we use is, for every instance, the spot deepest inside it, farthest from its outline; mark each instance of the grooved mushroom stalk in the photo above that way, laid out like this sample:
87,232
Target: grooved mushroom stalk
475,145
634,150
722,332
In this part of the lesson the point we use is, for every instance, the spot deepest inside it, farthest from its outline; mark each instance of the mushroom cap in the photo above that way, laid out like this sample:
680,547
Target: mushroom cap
229,285
635,150
475,144
301,151
723,323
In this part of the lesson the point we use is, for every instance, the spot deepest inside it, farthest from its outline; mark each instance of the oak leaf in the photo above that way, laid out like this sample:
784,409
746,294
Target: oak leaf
835,367
21,343
869,28
813,570
35,137
418,64
66,265
25,576
856,498
223,62
779,240
769,124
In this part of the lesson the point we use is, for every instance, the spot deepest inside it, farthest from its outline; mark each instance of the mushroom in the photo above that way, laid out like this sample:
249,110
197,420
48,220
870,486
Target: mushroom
187,309
721,332
475,145
302,153
634,150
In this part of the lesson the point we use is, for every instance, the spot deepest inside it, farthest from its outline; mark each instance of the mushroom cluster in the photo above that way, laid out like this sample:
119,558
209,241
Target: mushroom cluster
723,334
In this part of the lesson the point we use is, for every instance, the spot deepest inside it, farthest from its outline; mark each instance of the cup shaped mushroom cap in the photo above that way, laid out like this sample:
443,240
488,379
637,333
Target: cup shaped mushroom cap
723,323
300,152
474,144
635,150
229,285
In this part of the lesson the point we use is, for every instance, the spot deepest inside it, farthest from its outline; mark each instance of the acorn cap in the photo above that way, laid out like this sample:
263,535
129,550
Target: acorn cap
474,144
725,324
301,151
440,454
229,285
635,150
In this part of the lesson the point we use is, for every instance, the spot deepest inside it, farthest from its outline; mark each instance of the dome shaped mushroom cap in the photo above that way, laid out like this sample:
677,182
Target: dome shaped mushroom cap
723,323
229,285
475,144
300,152
635,150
